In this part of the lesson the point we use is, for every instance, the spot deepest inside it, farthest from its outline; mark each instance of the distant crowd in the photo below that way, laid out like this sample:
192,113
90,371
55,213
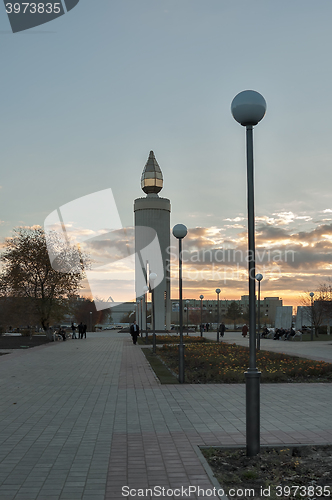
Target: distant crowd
81,331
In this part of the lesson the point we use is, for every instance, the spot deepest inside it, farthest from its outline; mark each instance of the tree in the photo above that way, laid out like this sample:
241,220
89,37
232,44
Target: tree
317,309
324,297
85,311
27,273
234,312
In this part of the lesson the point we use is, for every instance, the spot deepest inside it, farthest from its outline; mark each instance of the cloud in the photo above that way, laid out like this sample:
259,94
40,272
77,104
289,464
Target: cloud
293,252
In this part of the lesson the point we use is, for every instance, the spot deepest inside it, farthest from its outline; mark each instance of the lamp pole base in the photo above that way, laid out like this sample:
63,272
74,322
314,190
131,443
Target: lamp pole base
181,363
252,411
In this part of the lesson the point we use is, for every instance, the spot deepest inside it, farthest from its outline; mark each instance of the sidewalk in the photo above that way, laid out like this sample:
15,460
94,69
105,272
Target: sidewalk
318,350
83,418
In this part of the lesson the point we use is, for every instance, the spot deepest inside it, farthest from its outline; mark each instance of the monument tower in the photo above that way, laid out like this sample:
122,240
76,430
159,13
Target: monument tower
153,212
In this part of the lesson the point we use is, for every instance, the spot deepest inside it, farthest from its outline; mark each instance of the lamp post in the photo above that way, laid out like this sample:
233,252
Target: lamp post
152,279
141,311
217,292
248,108
180,231
145,290
187,303
259,278
137,311
312,315
90,321
201,327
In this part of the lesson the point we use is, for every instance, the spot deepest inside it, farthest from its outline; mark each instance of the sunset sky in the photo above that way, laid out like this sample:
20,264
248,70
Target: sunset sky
87,96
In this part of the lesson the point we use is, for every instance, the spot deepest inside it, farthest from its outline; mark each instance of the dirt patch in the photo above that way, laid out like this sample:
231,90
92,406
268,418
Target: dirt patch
275,473
19,342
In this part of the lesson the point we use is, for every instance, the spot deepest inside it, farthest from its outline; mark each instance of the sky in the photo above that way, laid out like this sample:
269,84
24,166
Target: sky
87,96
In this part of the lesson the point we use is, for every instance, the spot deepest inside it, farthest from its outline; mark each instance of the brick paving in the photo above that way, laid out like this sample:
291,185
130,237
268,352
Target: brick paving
81,419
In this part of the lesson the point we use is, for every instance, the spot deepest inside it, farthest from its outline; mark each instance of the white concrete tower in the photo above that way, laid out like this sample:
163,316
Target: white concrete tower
154,212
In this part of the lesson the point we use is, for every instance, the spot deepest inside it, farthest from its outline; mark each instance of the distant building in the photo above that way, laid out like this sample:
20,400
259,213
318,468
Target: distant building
268,308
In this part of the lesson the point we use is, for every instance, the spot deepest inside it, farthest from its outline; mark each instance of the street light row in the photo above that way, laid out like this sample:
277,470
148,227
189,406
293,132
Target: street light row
248,108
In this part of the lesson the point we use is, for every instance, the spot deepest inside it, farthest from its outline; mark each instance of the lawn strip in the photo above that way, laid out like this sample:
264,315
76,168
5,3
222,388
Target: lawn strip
296,471
226,363
163,373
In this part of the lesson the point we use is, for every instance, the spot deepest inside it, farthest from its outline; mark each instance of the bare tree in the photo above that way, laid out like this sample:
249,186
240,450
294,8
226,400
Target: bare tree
234,312
85,311
316,308
324,296
27,273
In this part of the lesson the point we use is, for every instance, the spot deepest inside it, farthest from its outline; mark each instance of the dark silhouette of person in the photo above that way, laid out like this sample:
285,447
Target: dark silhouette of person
244,330
80,330
134,331
62,332
222,329
265,332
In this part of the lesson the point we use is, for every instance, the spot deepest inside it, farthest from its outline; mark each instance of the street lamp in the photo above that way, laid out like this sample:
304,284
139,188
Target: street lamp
152,279
312,315
180,231
90,321
141,311
217,292
201,328
145,290
248,108
137,309
259,278
187,302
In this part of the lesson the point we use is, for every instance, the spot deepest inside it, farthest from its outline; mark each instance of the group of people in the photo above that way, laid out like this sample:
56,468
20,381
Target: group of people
81,331
206,327
281,331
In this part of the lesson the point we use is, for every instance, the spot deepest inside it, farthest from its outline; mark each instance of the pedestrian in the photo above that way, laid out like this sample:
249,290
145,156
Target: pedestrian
222,329
80,330
84,331
207,327
244,330
134,331
73,328
62,332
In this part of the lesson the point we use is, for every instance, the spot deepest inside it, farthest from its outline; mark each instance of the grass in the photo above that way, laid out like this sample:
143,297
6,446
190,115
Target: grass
173,339
323,337
283,472
226,363
164,375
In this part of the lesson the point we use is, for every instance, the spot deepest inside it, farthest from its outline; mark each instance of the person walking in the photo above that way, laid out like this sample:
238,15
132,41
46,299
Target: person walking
222,329
84,331
73,329
134,331
244,330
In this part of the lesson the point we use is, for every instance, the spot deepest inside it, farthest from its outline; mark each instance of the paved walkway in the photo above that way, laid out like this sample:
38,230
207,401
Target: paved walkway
84,418
319,350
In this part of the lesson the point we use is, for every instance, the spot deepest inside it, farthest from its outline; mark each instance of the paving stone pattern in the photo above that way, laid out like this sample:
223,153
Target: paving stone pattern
83,418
